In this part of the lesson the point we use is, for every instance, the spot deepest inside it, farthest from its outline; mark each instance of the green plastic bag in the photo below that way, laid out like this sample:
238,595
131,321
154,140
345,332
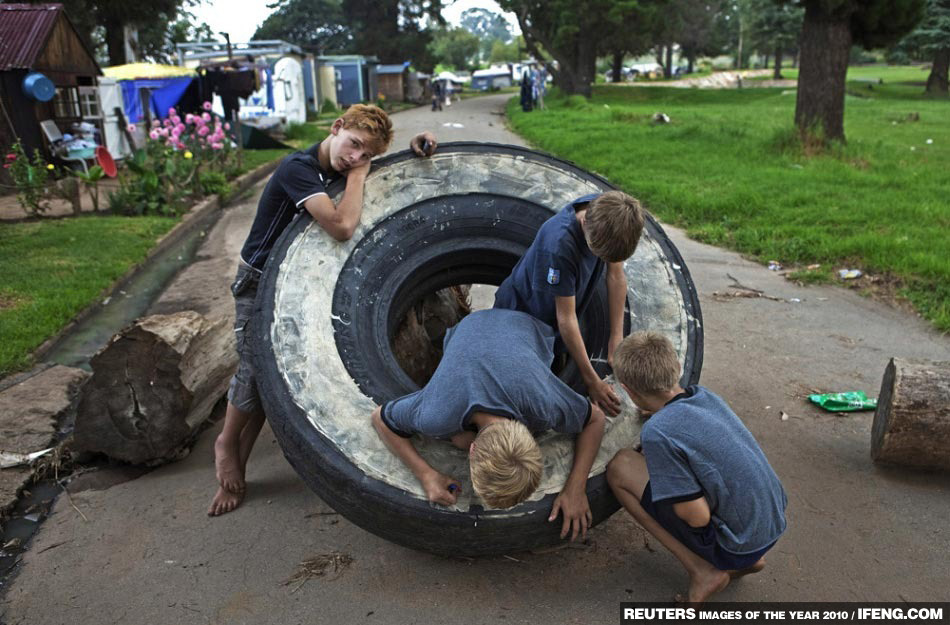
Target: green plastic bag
849,401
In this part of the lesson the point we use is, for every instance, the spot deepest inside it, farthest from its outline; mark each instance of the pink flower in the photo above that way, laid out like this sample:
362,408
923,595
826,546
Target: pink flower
11,156
163,131
175,132
206,106
198,121
6,165
203,131
180,127
179,145
189,118
171,111
156,123
217,146
176,120
227,126
155,134
167,123
131,127
206,117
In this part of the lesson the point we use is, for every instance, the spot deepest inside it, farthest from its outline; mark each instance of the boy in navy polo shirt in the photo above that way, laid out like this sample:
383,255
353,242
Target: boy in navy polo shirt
702,485
495,379
557,276
299,184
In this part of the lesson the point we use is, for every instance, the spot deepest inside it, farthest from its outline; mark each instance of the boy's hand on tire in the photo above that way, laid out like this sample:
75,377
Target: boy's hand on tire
441,489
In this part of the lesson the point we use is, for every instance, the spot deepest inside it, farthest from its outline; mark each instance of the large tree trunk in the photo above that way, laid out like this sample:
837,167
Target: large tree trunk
153,386
690,62
825,47
912,422
668,67
777,74
115,42
616,67
937,81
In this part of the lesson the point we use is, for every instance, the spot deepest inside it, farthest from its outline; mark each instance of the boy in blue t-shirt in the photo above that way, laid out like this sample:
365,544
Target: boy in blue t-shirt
557,276
702,485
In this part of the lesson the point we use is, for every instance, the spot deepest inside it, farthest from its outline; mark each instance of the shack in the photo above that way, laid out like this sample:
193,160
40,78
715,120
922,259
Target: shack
492,78
356,78
46,74
393,81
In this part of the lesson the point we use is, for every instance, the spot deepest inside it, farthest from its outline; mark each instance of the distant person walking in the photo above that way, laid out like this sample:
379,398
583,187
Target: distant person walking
437,95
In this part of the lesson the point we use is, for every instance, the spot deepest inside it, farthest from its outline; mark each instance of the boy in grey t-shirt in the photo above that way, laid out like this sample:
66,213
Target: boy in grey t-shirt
495,379
702,485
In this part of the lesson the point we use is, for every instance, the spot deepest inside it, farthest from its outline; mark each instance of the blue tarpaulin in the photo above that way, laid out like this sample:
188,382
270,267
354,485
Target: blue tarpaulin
165,93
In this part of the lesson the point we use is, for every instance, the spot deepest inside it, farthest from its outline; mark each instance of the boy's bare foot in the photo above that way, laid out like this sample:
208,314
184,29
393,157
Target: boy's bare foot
224,501
227,467
755,568
704,585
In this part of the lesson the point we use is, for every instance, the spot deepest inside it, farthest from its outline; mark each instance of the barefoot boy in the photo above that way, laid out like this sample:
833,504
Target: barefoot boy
298,184
702,485
557,276
495,380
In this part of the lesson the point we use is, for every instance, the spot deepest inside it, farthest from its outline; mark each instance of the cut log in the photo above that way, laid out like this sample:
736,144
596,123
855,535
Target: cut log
417,343
912,422
153,386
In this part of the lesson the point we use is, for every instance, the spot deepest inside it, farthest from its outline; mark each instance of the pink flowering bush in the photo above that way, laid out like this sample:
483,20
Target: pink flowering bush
184,157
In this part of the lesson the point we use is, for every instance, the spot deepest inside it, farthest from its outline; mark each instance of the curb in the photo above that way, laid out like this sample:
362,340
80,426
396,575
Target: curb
204,213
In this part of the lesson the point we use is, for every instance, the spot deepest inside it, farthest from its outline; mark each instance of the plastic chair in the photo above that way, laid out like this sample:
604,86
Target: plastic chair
55,138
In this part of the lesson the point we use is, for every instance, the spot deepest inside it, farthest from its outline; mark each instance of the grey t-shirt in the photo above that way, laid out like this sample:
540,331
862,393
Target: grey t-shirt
697,445
495,361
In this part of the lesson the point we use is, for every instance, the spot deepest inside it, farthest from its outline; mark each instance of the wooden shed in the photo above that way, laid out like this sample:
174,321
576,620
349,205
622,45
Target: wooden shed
39,38
393,81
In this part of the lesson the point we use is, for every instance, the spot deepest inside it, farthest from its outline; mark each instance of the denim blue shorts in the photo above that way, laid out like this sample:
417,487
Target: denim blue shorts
242,393
700,540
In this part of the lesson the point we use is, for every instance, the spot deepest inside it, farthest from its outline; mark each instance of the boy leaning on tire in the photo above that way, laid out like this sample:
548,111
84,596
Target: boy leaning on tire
492,391
299,184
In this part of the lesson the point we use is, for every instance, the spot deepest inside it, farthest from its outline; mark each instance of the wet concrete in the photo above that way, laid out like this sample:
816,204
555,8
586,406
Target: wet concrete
146,553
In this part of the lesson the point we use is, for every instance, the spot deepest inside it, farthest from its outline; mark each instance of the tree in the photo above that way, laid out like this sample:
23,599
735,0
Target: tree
774,29
317,26
570,30
156,41
931,39
394,30
489,27
830,28
506,52
637,36
454,46
696,32
101,23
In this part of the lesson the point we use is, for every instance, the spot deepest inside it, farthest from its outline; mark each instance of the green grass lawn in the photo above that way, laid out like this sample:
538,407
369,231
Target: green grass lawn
730,171
52,269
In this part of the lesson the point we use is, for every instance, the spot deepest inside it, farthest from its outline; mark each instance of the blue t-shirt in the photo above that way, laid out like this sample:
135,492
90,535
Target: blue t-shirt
558,263
298,178
498,362
696,445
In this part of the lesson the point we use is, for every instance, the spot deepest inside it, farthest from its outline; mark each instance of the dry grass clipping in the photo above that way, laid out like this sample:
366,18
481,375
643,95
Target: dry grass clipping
335,562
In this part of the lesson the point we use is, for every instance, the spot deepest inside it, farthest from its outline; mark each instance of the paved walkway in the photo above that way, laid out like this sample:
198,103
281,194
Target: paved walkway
144,551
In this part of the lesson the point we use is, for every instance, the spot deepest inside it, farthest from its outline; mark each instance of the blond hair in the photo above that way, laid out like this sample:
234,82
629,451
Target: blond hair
645,362
613,226
372,120
505,464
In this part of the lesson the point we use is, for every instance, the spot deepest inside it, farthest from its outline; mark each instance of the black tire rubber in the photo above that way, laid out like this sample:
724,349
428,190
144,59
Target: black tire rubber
436,242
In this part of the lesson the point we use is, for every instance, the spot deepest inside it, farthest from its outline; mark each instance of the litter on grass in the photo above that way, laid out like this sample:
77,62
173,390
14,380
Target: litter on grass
849,401
850,274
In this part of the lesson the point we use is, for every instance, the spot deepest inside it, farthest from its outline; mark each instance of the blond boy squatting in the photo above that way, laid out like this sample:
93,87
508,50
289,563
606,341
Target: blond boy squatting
299,184
559,273
495,380
702,485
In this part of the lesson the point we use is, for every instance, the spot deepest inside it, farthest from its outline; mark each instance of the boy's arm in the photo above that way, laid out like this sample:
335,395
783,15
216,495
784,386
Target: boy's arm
694,512
340,220
567,325
572,501
438,487
616,298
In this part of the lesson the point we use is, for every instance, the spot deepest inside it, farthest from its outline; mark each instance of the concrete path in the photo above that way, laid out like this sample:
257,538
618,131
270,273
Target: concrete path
143,551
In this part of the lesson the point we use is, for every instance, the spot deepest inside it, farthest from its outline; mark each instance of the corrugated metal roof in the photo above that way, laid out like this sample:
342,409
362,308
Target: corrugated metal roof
24,29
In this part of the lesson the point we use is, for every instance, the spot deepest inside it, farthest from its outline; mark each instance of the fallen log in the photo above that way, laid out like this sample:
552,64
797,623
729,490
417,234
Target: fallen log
153,386
417,343
912,421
